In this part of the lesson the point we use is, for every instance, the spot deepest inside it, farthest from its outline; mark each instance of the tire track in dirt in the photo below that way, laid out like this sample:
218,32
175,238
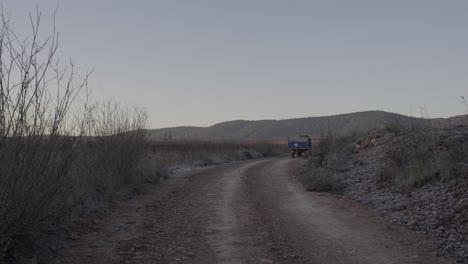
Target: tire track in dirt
245,212
208,218
203,217
326,228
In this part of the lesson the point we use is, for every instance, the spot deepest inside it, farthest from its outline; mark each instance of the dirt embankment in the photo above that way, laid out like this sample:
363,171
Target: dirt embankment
437,208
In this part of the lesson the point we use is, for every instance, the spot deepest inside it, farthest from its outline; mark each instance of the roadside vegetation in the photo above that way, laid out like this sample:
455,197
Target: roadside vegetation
58,148
414,175
328,157
418,156
170,152
414,155
63,154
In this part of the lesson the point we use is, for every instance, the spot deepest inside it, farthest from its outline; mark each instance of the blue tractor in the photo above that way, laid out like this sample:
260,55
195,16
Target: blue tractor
300,145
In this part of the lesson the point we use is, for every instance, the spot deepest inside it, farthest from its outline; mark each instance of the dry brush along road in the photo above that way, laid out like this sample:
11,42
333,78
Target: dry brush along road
245,212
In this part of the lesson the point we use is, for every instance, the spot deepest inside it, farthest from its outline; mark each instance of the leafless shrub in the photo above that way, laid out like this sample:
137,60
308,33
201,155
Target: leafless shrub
333,152
338,161
330,156
56,148
114,148
149,169
321,180
38,131
324,147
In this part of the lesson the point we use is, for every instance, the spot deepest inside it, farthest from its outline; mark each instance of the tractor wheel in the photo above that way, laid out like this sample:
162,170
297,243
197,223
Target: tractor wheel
299,153
293,153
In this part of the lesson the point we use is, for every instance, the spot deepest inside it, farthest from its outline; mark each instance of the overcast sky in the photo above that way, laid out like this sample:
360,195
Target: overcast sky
202,62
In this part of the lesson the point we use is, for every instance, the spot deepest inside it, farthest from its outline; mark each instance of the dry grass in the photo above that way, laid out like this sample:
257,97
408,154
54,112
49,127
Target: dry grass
117,144
321,180
418,157
172,152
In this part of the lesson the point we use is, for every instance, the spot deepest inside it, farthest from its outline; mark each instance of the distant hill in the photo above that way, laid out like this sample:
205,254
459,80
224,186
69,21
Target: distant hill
281,129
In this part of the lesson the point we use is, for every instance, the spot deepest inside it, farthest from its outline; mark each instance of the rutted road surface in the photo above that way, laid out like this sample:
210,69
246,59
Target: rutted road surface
246,212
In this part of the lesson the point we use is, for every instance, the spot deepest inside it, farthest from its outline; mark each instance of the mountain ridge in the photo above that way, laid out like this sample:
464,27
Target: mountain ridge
275,129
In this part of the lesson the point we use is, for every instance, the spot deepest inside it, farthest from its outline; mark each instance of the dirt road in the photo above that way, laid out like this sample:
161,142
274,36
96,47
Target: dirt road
247,212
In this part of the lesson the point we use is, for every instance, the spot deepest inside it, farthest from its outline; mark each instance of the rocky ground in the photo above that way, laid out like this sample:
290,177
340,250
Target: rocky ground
438,209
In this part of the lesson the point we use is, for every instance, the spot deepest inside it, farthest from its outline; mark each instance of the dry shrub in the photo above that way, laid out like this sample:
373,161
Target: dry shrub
149,169
55,149
328,158
420,157
172,151
39,133
321,180
116,145
332,152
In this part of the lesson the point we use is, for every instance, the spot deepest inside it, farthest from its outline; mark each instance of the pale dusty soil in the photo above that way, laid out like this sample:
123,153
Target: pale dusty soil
246,212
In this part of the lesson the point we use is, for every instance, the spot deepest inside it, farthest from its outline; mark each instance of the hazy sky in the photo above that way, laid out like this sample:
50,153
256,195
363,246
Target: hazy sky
198,62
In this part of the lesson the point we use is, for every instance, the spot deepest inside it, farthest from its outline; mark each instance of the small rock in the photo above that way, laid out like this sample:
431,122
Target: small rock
73,237
120,227
29,260
180,249
411,222
462,206
53,249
